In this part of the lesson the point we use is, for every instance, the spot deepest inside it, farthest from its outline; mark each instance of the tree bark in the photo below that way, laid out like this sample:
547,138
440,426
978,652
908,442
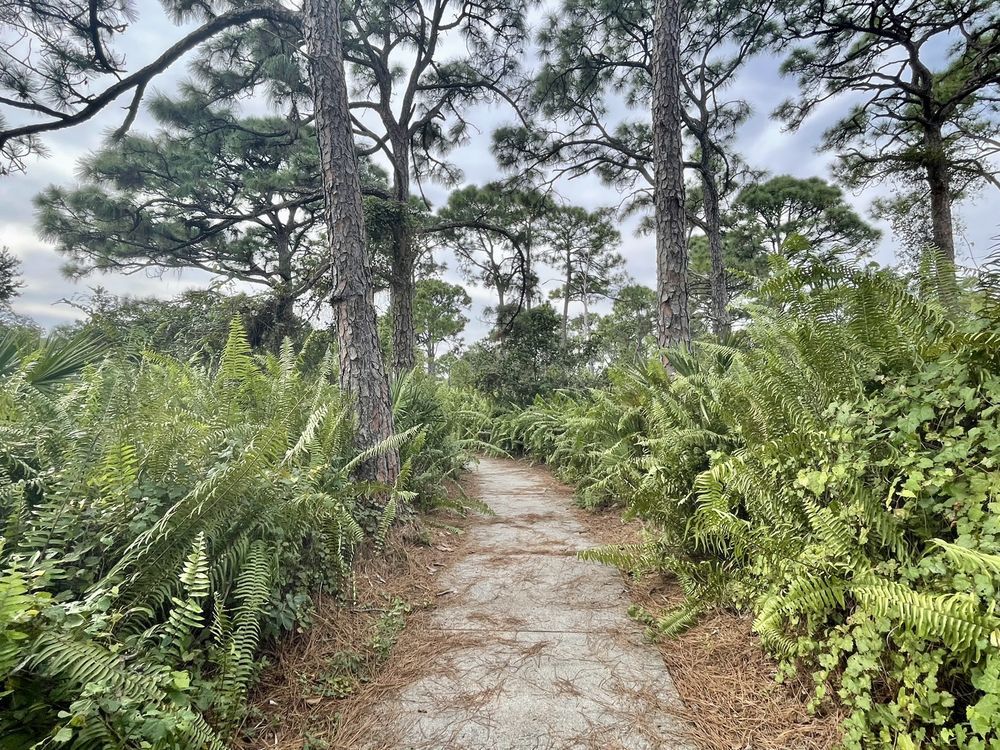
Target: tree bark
283,324
498,327
942,226
671,242
401,285
402,289
565,311
362,374
431,359
713,224
529,278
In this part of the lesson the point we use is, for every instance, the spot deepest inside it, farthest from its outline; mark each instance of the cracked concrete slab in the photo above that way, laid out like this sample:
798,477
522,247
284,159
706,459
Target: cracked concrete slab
548,656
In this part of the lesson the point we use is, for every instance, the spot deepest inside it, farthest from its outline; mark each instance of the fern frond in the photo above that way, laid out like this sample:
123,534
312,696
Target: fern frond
955,619
969,559
628,557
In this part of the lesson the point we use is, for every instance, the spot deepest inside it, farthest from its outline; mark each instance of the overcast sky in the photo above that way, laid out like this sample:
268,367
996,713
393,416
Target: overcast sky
761,142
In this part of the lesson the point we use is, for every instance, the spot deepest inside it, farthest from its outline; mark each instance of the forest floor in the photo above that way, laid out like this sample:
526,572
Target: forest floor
512,643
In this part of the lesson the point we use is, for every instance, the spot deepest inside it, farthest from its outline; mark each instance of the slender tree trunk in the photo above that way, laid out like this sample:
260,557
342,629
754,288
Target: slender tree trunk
671,246
362,374
713,224
431,359
501,312
529,280
273,322
402,287
942,226
565,312
283,323
401,292
284,319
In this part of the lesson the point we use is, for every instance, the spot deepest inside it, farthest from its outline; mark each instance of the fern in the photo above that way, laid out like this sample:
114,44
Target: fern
969,559
172,517
633,558
186,614
242,636
385,520
674,622
955,619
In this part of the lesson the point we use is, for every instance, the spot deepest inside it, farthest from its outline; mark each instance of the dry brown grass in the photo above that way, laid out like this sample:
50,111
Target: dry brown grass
727,684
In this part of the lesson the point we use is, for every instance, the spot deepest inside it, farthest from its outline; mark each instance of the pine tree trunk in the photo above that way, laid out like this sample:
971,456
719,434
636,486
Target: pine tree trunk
942,226
431,359
362,373
529,280
402,287
501,311
283,323
713,224
565,311
671,241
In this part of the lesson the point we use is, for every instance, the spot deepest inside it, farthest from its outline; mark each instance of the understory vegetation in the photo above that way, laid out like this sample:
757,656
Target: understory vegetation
165,519
833,470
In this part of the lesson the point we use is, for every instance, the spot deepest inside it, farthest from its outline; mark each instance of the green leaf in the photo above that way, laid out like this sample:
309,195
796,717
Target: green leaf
63,735
180,680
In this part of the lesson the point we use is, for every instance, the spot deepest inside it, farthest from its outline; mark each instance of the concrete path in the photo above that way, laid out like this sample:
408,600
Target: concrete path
538,652
542,653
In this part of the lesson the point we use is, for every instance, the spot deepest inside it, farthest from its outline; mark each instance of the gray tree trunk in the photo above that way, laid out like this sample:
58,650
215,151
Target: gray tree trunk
402,289
284,302
501,304
565,311
362,373
401,285
431,358
529,280
713,224
671,241
942,226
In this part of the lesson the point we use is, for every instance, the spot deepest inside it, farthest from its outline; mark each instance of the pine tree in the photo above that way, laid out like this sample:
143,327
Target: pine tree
238,197
61,85
582,246
929,77
409,104
362,373
668,168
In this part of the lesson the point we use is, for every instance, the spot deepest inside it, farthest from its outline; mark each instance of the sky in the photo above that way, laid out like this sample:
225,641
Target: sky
47,295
